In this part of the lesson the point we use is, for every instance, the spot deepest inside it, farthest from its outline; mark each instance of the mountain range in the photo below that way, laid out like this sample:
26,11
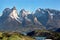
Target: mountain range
43,19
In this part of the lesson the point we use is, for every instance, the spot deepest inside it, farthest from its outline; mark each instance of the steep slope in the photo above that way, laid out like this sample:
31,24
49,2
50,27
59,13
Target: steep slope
23,13
23,17
49,18
9,19
54,19
42,15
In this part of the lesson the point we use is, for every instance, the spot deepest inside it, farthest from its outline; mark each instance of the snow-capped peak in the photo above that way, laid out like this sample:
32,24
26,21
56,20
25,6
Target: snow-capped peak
14,8
10,12
39,10
14,13
24,13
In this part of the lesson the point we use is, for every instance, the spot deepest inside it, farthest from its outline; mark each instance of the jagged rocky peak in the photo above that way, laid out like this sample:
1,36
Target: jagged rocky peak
10,12
24,13
6,12
39,10
14,13
22,10
14,8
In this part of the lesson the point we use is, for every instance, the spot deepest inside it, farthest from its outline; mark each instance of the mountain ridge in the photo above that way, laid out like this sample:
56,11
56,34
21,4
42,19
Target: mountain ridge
47,19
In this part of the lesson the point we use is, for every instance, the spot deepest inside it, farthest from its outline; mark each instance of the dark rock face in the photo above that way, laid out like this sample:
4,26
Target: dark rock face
42,16
54,19
31,33
58,30
49,18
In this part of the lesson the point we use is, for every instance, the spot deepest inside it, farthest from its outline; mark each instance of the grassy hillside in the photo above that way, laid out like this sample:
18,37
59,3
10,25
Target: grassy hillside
30,35
14,36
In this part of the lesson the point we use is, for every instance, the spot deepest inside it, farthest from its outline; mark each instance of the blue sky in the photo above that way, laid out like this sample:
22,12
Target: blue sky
30,5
